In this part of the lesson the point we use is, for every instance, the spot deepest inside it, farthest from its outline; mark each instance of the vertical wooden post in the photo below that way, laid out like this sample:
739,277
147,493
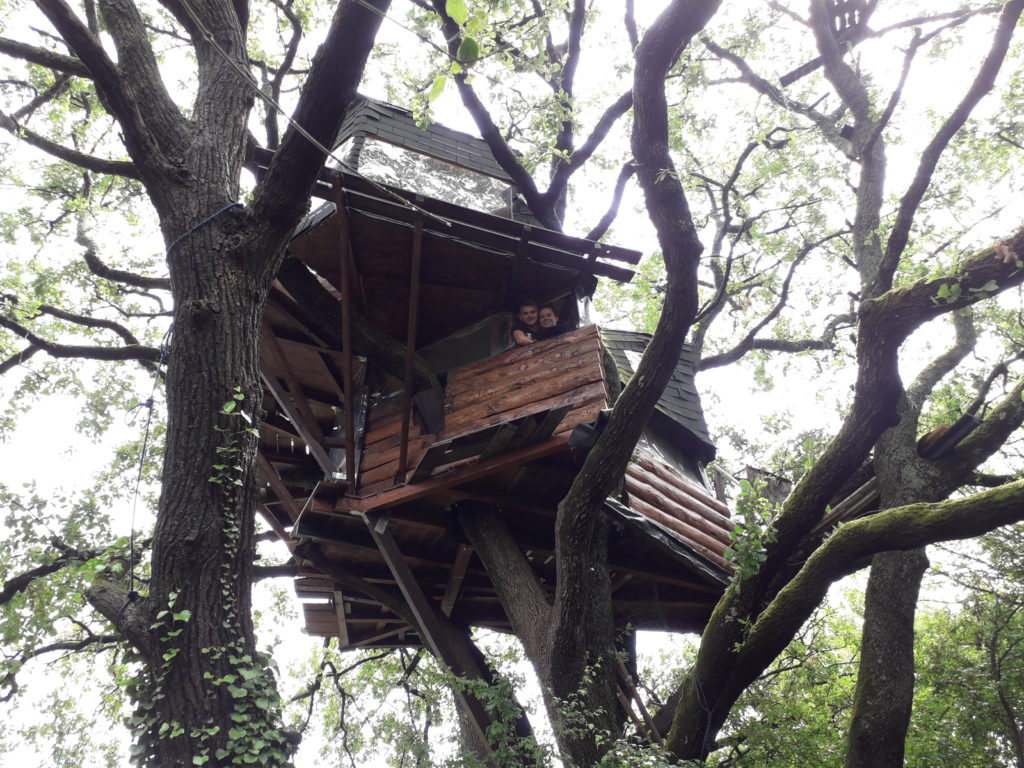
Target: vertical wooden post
410,343
346,335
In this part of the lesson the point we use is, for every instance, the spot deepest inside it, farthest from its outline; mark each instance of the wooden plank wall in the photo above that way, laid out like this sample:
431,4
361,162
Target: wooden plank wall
566,370
381,445
686,508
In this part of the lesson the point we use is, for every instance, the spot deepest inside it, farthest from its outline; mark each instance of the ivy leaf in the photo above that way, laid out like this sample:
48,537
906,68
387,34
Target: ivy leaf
183,615
457,10
229,406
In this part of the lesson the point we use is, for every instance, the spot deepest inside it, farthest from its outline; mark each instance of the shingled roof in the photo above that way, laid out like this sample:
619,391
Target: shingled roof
679,407
395,125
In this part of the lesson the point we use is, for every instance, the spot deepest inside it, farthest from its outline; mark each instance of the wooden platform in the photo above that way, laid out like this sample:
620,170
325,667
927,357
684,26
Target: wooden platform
507,423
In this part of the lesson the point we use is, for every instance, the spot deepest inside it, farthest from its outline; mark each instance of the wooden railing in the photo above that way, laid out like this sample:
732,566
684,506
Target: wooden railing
534,392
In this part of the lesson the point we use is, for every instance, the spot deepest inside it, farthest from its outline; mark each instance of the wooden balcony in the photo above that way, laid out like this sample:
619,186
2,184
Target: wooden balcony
494,410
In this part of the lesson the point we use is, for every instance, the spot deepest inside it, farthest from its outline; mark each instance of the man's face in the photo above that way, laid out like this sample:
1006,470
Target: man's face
548,318
528,314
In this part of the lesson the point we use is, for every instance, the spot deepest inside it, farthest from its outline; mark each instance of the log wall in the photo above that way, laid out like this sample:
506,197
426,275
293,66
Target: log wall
680,505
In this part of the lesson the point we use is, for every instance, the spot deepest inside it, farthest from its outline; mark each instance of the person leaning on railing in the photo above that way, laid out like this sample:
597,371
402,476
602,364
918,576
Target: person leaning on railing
526,326
547,318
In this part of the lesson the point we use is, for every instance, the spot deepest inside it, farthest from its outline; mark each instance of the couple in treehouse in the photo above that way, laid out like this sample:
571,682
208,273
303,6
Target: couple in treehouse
535,324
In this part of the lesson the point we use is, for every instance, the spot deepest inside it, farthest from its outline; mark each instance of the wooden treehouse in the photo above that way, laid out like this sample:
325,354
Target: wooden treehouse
363,457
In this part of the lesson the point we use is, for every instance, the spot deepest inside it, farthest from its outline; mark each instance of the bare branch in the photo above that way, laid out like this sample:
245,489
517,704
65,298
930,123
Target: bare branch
630,22
750,341
276,82
602,226
539,205
44,57
983,82
18,358
60,84
564,170
73,156
141,76
100,269
117,98
933,373
282,194
130,352
18,584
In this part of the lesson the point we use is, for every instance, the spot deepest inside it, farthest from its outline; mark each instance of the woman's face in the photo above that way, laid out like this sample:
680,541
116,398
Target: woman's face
548,318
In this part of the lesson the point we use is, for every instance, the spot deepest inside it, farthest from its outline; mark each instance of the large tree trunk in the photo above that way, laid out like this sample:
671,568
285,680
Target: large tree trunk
203,543
885,679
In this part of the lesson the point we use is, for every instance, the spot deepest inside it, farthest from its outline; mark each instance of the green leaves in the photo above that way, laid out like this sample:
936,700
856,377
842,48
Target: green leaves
458,11
469,50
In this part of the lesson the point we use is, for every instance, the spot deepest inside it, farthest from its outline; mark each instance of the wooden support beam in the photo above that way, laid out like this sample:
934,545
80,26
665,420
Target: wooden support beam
276,526
454,586
410,344
429,622
277,486
339,611
315,448
345,248
626,683
457,476
272,345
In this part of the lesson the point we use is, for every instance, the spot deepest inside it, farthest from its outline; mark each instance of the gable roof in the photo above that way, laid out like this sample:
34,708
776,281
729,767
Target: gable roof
679,407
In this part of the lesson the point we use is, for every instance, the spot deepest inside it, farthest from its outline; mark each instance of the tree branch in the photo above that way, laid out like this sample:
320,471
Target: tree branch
109,83
44,57
539,205
140,75
100,269
81,159
281,196
911,200
944,364
514,579
901,528
60,84
18,358
18,584
990,435
625,174
565,169
130,352
750,341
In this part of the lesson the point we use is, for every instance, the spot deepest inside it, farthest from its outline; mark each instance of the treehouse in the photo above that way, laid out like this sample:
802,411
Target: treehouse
393,394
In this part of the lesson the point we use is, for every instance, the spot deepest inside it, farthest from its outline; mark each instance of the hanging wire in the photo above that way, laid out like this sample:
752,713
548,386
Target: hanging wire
251,81
133,413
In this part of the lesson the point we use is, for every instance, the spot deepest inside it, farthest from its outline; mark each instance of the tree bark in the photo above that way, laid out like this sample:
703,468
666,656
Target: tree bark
885,679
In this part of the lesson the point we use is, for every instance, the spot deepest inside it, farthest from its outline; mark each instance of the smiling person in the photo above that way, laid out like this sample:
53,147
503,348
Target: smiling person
526,327
547,318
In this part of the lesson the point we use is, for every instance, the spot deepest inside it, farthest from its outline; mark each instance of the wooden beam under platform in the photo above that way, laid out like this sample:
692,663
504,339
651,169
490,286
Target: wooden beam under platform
428,621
